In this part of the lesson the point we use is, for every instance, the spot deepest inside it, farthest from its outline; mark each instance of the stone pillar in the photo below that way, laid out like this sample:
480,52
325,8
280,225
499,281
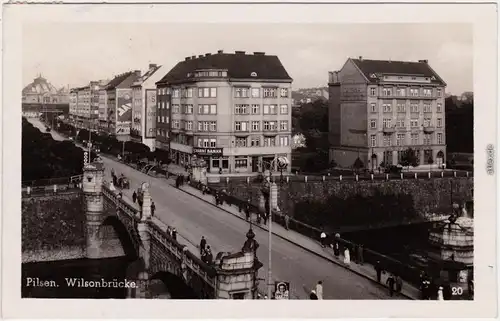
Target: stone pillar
146,203
145,248
92,181
237,274
394,157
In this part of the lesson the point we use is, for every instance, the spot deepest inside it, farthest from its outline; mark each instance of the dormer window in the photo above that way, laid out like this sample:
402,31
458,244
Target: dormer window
433,78
253,74
373,76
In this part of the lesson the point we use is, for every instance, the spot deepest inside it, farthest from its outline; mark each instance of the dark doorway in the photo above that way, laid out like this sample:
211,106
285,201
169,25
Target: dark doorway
255,164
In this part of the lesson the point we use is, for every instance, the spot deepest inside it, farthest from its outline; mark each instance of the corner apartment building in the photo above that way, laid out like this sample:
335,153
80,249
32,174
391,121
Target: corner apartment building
144,106
115,105
84,105
378,109
233,110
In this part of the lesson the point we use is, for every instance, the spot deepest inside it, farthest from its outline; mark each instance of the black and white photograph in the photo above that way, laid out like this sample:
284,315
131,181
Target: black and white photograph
191,158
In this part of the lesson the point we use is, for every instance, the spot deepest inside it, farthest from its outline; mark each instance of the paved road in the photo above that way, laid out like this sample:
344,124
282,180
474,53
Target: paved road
38,124
193,218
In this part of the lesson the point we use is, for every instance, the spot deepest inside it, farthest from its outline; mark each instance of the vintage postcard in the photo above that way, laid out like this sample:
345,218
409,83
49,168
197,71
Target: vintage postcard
190,155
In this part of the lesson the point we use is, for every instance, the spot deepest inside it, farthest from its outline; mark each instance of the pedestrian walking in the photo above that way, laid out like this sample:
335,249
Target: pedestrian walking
399,284
153,208
174,233
425,289
313,295
259,217
440,294
390,283
336,248
319,290
323,239
134,197
209,256
265,217
203,244
347,256
247,210
287,221
378,269
360,254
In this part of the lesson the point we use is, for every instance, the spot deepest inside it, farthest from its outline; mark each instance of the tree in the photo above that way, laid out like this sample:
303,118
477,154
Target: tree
409,158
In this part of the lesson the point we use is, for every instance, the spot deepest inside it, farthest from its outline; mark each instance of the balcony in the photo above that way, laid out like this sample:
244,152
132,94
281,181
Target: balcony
429,129
389,130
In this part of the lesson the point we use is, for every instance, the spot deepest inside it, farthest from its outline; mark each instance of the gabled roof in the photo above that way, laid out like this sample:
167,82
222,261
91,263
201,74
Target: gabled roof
118,80
377,67
147,74
238,66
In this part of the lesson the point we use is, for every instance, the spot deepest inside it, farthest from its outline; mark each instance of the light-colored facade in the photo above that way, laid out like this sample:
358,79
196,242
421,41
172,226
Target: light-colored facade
43,92
103,109
84,105
144,98
380,109
237,124
73,103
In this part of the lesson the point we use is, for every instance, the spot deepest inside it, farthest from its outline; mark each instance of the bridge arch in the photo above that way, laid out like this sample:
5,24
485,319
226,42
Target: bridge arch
166,284
112,228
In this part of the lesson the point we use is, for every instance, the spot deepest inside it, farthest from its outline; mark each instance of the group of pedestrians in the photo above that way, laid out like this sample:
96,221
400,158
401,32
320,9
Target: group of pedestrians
206,251
179,181
137,197
172,232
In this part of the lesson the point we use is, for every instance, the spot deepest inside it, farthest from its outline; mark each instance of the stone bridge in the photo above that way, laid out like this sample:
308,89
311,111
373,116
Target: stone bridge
156,258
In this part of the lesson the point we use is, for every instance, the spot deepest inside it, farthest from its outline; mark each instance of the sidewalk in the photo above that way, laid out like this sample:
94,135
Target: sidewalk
366,270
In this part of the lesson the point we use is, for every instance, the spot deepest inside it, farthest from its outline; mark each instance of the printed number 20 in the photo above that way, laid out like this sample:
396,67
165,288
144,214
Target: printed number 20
457,291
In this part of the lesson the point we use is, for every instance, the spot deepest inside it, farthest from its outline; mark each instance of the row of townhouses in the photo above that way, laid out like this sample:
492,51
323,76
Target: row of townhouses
234,111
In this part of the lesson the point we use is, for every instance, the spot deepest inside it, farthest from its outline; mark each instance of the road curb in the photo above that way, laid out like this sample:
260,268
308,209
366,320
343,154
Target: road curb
295,243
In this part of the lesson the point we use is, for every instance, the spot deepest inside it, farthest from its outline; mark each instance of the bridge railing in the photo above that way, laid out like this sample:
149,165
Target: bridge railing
124,206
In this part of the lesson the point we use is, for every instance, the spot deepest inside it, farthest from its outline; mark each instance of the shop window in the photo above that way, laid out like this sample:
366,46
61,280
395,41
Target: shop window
216,163
241,163
225,163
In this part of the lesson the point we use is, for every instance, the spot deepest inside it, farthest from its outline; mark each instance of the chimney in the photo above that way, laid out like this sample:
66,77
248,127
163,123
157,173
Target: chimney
220,51
259,53
200,56
424,61
208,54
360,57
193,57
151,66
239,52
187,58
137,73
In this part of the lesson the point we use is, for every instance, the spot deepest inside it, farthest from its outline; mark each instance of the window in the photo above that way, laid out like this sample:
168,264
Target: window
401,92
189,109
373,123
176,124
387,140
270,92
200,126
373,107
159,119
427,107
414,92
255,125
284,141
400,123
241,92
373,140
175,93
241,109
386,107
189,125
439,138
414,139
427,122
373,91
255,92
284,125
255,141
439,92
189,93
414,123
255,109
168,105
427,92
206,126
162,119
175,109
283,109
207,109
284,93
240,142
213,126
241,126
206,142
427,139
387,91
269,125
387,123
269,109
400,139
414,107
240,162
213,142
269,141
439,122
401,106
439,107
207,92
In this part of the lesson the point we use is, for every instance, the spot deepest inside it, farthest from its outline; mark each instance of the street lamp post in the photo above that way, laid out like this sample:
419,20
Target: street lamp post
270,220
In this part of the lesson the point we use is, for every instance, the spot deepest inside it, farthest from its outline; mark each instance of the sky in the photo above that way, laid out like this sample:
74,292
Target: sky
72,54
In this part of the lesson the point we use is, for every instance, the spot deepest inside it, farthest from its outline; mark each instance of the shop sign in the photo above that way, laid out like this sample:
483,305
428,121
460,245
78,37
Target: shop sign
214,152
